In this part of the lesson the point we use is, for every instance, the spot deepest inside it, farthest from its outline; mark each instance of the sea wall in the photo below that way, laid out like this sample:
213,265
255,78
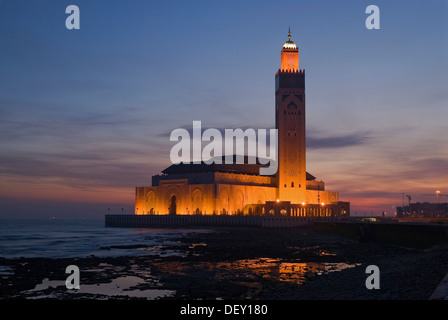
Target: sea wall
414,235
193,221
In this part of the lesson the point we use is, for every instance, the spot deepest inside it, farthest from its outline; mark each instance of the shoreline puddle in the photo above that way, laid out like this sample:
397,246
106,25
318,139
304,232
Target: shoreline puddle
132,286
277,269
121,286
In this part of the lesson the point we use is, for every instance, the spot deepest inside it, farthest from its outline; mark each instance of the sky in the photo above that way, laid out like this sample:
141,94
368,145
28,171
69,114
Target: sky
85,114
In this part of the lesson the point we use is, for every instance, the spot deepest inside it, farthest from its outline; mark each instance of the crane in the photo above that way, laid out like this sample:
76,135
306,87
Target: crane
409,203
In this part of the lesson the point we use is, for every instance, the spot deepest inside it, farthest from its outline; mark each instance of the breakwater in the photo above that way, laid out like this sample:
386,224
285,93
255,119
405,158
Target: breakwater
195,221
407,234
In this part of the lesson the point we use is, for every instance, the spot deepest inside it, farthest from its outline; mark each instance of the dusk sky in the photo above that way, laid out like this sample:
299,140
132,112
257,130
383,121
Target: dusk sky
85,115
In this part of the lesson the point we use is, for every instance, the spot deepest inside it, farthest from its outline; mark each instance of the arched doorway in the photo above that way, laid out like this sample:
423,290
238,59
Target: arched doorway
172,208
224,200
151,201
197,201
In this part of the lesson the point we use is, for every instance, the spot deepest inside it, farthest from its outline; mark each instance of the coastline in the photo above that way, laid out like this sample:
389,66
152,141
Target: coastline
239,263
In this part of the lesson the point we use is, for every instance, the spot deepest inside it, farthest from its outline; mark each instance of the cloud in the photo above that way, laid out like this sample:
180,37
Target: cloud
91,170
433,169
315,140
45,208
84,150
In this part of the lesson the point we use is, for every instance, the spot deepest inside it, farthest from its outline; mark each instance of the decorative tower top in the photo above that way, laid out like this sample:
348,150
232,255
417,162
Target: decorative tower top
289,44
290,55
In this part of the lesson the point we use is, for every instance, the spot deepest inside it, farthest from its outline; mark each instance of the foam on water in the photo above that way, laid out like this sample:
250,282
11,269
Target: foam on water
80,238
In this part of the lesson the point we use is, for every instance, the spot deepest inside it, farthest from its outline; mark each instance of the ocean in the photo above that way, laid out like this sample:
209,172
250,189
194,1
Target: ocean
252,263
64,238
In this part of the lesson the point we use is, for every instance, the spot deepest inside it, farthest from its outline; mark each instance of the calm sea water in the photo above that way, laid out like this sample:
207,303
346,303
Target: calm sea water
79,238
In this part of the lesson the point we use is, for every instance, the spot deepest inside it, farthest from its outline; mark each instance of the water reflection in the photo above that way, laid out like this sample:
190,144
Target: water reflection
276,269
253,269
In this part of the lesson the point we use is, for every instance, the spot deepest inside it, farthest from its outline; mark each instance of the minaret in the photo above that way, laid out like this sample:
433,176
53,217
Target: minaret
290,123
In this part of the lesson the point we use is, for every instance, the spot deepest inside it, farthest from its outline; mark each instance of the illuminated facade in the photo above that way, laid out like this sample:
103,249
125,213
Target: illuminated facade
239,189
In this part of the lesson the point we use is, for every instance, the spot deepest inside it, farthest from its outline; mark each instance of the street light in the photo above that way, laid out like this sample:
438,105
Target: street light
322,210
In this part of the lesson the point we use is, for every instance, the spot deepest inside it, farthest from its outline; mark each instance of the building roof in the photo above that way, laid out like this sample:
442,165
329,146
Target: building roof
245,168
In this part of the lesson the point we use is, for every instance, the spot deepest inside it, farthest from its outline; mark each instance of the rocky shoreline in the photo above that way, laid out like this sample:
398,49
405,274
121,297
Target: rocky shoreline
248,263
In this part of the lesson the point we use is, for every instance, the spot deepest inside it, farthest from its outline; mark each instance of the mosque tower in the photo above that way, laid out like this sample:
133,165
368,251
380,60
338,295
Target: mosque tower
290,123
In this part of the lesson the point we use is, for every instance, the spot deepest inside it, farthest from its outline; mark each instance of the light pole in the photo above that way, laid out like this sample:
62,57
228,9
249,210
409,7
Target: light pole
402,203
438,202
318,194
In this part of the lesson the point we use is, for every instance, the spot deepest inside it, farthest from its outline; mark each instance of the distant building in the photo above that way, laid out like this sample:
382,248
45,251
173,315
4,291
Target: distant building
239,189
423,209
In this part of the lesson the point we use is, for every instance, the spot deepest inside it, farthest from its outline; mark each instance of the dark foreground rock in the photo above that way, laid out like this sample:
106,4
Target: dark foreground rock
298,263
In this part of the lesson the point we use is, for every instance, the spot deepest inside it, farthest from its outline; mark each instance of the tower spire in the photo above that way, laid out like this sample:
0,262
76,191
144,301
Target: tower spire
290,55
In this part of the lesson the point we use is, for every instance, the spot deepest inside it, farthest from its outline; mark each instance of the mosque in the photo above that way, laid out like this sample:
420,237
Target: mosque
239,189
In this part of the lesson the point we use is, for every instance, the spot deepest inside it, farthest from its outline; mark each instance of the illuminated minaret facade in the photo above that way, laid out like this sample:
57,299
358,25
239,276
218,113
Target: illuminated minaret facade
236,189
290,123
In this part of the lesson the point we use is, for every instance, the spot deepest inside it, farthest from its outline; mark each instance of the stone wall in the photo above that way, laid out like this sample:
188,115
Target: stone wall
193,221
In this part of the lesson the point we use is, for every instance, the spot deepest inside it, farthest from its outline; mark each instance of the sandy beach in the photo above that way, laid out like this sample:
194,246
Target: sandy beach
268,264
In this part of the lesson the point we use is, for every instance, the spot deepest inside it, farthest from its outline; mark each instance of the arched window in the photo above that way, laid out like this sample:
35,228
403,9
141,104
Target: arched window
292,106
